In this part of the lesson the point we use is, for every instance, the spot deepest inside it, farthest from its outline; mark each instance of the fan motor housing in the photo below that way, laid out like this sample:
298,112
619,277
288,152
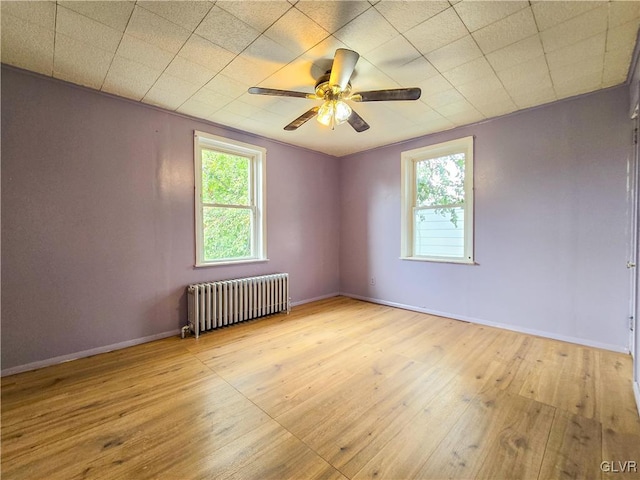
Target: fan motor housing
324,90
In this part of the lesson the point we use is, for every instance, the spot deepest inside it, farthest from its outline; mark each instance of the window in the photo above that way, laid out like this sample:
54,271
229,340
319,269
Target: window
437,202
230,201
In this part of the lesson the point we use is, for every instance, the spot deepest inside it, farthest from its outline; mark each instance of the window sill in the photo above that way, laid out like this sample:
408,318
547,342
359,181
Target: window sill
227,263
440,260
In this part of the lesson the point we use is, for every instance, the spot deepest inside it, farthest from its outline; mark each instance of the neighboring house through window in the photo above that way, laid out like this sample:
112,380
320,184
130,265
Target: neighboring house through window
229,201
437,202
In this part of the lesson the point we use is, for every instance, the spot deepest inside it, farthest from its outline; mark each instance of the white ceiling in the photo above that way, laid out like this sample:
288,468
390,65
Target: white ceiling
472,59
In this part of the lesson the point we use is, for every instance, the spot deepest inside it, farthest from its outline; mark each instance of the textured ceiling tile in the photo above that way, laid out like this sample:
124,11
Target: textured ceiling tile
370,77
437,124
259,14
480,88
504,32
496,108
332,15
42,14
265,123
115,14
573,54
394,53
622,12
145,53
404,15
225,30
196,109
455,107
572,31
549,14
248,71
296,32
455,54
214,99
366,32
26,45
170,92
570,80
169,100
189,71
225,117
156,30
434,85
616,67
438,31
205,53
129,79
619,50
228,86
240,108
267,50
468,72
441,99
86,30
622,37
478,14
186,14
412,111
297,76
516,53
461,113
410,73
174,84
531,98
80,63
578,85
533,74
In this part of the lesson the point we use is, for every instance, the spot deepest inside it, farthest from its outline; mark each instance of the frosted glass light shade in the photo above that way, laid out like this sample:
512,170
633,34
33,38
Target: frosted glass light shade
333,112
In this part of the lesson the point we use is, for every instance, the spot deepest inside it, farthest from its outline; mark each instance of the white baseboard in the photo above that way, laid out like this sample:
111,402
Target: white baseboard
529,331
86,353
138,341
636,392
129,343
315,299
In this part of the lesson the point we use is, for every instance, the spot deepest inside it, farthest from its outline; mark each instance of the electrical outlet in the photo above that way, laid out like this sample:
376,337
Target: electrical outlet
372,281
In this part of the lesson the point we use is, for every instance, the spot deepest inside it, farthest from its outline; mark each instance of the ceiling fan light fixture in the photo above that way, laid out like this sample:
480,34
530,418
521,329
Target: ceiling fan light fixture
333,112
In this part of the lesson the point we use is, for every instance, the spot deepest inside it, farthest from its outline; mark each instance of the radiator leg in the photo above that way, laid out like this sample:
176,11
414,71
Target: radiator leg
185,331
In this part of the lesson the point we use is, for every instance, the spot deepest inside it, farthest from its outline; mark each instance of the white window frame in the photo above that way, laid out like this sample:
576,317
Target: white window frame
408,197
257,186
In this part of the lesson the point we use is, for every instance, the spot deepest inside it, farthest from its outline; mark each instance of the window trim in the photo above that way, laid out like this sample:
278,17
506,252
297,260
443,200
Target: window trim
408,161
258,201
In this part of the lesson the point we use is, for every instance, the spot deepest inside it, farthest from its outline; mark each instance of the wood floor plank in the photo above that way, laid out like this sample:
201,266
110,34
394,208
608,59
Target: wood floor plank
564,376
500,435
573,448
337,389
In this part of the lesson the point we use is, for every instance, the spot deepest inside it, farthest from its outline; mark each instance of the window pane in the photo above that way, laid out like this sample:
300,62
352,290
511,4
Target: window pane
439,232
227,233
440,181
225,178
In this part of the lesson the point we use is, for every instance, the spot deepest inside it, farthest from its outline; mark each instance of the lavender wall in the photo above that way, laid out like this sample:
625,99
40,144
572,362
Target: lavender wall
98,219
550,225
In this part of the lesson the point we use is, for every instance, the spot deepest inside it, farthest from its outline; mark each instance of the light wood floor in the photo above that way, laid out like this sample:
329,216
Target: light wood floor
338,388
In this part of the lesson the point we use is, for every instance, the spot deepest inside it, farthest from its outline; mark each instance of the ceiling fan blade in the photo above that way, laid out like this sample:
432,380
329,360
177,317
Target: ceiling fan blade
390,94
302,119
357,122
280,93
344,63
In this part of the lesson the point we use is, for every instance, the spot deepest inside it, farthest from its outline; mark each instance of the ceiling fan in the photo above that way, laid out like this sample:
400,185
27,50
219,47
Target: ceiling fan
335,90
